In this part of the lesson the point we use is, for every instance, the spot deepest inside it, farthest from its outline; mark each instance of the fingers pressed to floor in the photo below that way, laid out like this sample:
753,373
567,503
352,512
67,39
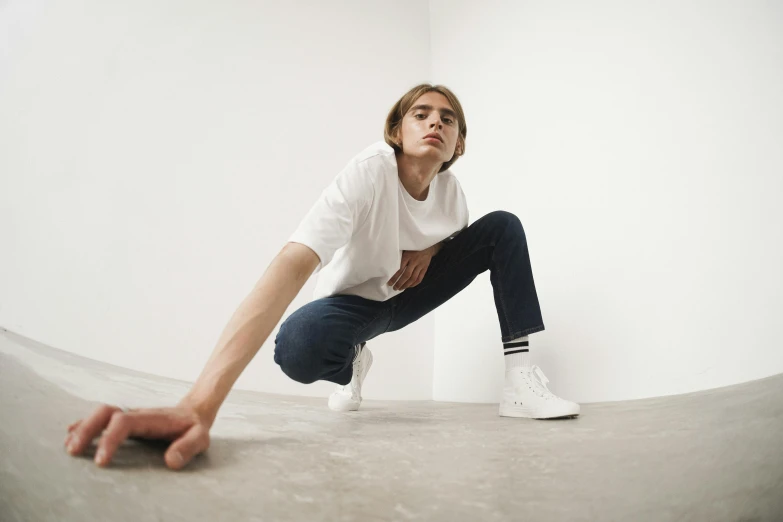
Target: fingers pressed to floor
153,424
193,442
89,428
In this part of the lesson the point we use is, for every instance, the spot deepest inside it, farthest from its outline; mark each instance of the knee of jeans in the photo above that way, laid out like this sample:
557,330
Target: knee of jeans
295,354
506,221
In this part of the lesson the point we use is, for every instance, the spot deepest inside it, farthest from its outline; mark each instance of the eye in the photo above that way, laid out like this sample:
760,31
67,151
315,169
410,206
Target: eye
447,120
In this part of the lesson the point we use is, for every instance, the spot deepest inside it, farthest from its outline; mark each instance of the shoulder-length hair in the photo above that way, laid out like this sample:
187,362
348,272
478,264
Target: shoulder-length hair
403,105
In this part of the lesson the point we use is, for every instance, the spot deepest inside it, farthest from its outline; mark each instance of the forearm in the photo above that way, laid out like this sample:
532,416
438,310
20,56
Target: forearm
437,247
246,331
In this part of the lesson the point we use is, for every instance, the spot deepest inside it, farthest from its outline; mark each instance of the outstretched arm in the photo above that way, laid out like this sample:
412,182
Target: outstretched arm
250,325
189,422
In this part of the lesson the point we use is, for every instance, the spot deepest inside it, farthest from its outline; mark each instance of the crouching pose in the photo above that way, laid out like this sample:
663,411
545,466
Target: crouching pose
391,241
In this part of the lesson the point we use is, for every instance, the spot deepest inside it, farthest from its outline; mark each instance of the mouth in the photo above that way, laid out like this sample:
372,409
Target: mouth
433,139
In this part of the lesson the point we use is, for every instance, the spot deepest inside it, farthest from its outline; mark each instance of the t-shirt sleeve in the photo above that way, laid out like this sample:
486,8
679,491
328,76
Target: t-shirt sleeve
337,214
464,205
464,214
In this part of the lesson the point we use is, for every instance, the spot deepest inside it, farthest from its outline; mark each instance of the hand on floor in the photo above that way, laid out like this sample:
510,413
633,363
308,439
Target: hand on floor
181,424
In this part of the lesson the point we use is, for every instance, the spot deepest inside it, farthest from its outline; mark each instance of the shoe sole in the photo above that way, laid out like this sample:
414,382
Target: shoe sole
521,412
336,401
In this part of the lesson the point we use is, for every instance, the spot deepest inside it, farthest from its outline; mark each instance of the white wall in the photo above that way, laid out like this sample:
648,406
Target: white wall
155,157
640,145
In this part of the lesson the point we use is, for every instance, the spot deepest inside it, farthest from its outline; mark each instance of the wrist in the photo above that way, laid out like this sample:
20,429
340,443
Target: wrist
202,408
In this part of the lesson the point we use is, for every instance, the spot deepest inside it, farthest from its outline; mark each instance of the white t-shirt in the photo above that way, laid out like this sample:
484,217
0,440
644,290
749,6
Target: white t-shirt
365,218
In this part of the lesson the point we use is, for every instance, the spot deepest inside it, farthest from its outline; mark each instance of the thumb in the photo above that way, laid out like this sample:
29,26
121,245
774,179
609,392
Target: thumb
190,444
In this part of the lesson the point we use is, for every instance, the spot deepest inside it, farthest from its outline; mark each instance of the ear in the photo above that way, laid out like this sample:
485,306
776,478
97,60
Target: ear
396,137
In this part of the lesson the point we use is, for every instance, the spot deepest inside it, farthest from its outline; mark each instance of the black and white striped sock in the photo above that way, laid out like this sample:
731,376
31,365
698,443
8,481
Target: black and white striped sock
516,353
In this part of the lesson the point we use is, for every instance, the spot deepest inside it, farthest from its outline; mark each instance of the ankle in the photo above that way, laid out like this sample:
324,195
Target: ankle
517,353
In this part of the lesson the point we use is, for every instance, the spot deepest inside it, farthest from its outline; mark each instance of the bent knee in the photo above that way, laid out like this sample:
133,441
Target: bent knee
502,216
505,220
297,362
297,353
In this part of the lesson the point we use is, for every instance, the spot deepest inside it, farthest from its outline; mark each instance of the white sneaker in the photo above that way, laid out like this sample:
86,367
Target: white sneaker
349,397
525,395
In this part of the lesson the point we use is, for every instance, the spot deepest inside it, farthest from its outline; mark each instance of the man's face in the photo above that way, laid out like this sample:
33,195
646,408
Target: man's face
430,113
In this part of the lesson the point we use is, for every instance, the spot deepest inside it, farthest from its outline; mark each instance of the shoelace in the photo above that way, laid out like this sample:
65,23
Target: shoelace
356,361
539,381
348,388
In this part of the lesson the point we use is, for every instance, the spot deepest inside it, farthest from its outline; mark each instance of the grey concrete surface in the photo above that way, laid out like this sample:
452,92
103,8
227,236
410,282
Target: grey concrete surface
712,456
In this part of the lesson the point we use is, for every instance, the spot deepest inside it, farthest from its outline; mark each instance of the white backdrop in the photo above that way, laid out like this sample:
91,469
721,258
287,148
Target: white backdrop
640,145
154,158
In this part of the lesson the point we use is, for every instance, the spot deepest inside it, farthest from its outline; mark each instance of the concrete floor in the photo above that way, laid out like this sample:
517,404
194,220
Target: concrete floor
710,456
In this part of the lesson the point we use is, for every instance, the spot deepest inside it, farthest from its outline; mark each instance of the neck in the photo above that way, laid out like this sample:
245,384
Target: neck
416,175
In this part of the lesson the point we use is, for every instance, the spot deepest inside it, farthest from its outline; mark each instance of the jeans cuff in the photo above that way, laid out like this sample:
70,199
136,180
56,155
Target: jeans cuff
521,333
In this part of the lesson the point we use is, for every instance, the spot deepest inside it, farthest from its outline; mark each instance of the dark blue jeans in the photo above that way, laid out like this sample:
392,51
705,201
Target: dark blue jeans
317,342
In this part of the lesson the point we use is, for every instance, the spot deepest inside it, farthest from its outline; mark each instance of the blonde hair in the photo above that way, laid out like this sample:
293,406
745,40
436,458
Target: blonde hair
403,105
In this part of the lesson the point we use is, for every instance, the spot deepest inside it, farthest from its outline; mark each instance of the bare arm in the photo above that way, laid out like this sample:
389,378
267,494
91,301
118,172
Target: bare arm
250,326
188,424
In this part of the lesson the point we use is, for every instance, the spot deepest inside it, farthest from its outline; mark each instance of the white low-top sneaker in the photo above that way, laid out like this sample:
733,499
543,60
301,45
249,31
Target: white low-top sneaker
525,395
349,397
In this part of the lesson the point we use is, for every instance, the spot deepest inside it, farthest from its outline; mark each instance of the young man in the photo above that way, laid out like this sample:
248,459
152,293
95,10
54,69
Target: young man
391,240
